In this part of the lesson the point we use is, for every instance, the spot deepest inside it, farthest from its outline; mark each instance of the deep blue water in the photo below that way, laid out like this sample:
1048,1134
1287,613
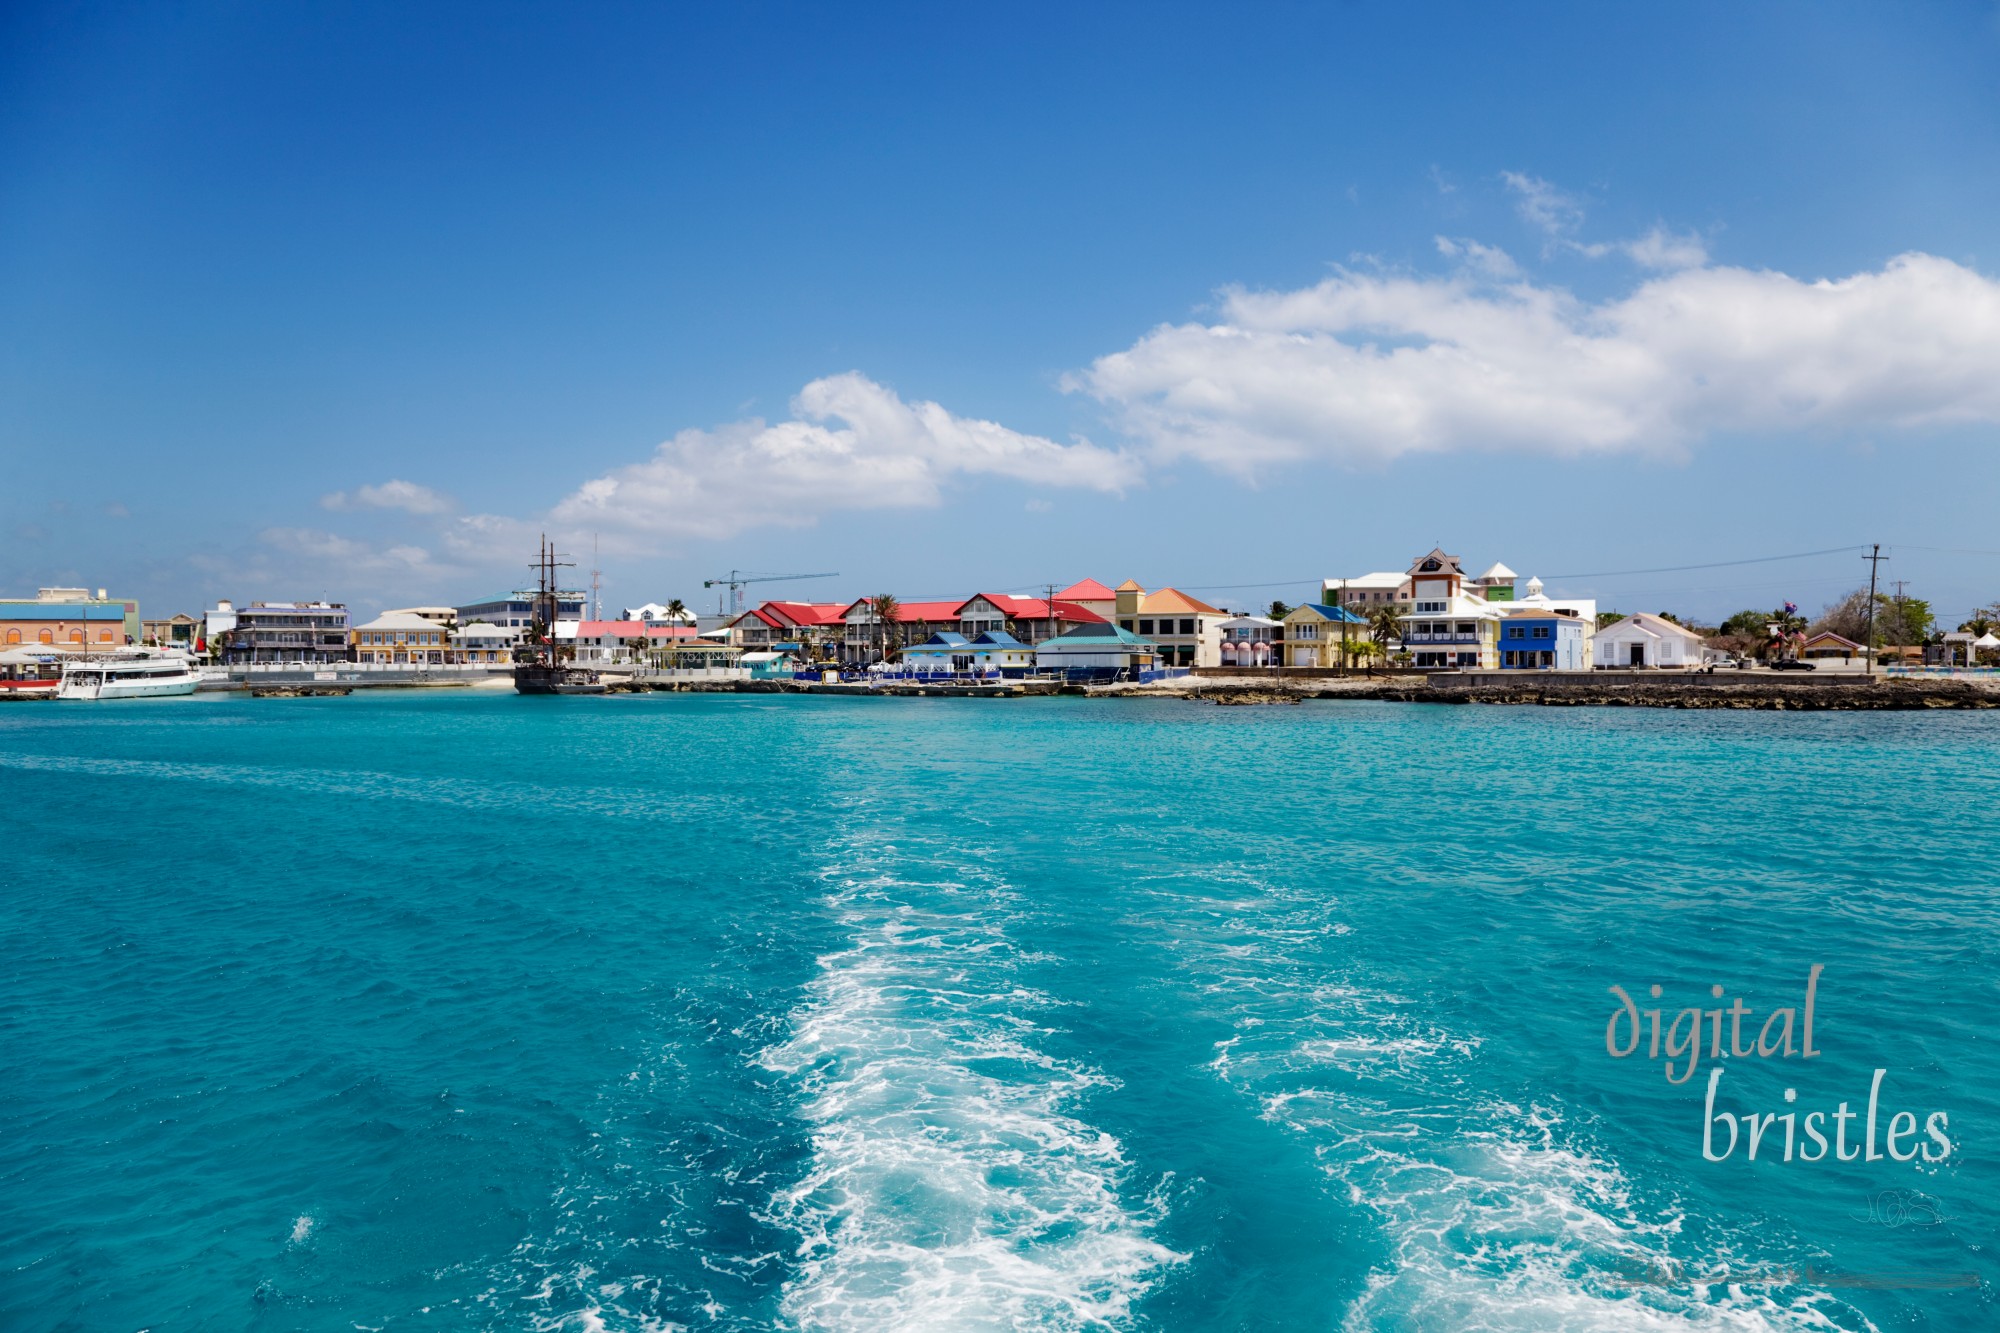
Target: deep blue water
454,1011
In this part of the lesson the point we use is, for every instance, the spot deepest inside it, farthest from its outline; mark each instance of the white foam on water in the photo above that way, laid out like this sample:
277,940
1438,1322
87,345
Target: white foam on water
953,1183
302,1229
1494,1217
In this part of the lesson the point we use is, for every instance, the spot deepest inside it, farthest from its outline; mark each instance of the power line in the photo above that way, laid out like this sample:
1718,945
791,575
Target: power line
1713,564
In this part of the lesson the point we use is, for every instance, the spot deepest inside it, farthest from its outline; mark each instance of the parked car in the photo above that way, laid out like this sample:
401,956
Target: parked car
1793,664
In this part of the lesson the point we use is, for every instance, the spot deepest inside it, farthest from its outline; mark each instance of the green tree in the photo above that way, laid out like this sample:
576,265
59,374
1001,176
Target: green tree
1383,626
676,609
1279,610
1746,624
1606,619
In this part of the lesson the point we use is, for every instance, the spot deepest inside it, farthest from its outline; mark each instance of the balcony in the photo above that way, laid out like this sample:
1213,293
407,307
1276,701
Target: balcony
1415,637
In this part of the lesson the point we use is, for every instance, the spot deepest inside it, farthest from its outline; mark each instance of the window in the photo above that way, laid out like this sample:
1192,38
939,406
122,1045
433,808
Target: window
1429,608
1187,627
1541,631
1506,659
1466,627
1145,627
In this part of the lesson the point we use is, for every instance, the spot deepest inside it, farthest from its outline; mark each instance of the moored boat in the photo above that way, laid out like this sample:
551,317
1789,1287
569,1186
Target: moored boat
127,675
546,672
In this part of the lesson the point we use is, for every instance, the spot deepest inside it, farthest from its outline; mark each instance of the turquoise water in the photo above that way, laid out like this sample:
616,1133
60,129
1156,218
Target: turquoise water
739,1012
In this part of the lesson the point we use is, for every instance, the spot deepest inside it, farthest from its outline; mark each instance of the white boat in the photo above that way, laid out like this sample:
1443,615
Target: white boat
127,676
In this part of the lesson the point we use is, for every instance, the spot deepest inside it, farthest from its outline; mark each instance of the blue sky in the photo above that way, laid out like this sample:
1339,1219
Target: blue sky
353,300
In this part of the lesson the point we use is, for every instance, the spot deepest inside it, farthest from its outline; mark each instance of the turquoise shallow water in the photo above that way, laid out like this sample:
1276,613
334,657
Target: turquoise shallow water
740,1012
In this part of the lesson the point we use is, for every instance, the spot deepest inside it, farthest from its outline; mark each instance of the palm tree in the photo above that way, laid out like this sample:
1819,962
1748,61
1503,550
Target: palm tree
884,607
1383,626
676,609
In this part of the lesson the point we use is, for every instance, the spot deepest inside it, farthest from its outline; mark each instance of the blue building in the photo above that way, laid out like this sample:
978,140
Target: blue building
1537,640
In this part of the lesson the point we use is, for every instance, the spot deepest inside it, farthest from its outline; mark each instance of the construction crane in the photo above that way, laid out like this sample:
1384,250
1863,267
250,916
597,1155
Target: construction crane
739,577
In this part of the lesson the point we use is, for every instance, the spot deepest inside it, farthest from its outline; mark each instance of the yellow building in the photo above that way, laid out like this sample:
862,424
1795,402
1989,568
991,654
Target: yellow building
402,638
1317,635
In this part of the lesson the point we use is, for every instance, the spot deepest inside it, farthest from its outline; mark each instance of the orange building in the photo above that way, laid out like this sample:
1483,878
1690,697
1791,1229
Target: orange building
68,618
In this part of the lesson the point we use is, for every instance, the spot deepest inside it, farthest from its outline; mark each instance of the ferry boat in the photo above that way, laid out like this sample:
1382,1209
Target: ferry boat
127,676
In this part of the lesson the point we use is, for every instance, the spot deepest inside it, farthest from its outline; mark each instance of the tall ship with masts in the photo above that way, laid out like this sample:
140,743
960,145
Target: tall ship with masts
546,671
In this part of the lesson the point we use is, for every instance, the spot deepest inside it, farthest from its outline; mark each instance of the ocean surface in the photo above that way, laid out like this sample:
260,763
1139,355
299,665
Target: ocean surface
458,1010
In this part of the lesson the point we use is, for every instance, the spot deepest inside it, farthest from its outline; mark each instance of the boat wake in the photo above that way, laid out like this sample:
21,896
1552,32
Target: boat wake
1494,1216
952,1182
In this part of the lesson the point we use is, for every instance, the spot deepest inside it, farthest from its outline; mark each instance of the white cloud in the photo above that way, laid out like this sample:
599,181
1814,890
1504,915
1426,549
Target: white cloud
1543,206
1558,214
1662,249
331,549
1488,259
851,444
404,495
1368,366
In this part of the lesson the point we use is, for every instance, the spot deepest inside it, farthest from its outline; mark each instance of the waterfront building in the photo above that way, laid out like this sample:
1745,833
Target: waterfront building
1092,596
810,628
437,615
1367,592
769,665
654,611
1533,639
1318,635
864,639
309,633
178,631
516,611
1448,627
694,654
946,650
606,642
401,638
993,652
1097,651
68,618
1252,641
482,643
1030,618
1827,644
1184,630
1649,641
1584,609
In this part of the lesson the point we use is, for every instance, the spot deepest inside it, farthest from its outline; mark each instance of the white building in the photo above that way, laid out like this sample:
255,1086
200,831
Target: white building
1362,594
1496,584
1252,641
1448,627
654,611
1648,641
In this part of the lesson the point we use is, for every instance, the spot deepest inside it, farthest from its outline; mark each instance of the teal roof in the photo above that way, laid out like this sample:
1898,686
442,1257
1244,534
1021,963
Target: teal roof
1100,632
39,610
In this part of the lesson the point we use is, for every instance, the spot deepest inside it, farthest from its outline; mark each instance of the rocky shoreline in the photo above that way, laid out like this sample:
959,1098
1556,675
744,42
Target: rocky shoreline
1754,692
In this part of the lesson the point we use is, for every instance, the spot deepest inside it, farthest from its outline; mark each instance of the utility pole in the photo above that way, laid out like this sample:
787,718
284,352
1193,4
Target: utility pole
1874,559
1901,621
